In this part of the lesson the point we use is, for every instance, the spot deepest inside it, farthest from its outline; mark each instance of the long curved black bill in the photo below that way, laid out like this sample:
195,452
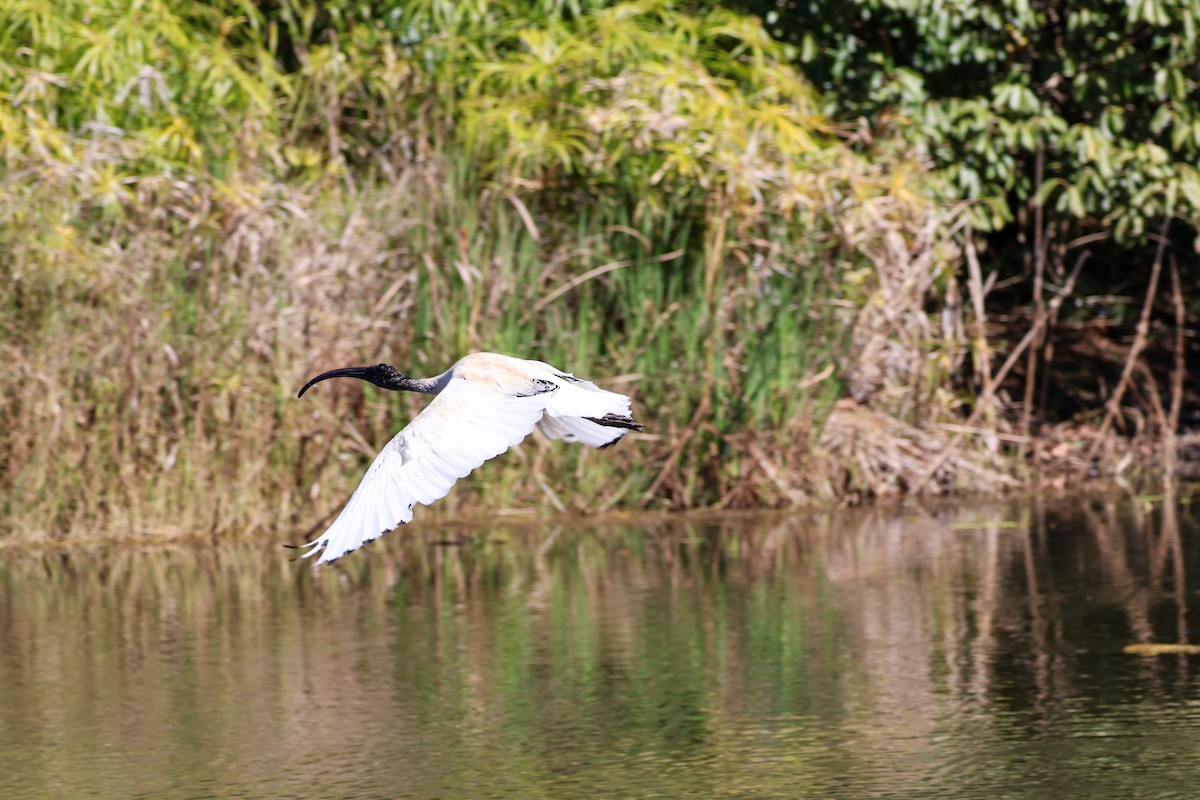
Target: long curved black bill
362,373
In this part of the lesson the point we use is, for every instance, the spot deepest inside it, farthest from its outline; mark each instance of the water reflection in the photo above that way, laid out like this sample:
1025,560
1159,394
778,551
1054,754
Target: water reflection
970,652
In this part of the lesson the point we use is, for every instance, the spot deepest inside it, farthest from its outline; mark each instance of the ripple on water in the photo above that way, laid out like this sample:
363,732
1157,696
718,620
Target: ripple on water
827,656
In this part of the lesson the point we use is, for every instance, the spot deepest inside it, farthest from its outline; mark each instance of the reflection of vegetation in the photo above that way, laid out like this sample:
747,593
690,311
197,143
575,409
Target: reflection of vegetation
824,654
1146,649
204,202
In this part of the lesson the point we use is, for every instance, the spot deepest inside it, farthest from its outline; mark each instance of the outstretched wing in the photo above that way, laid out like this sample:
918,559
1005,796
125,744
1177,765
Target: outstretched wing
580,411
466,424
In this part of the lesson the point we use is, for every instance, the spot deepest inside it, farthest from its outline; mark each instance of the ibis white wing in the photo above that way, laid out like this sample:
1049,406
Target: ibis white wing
577,429
466,424
578,410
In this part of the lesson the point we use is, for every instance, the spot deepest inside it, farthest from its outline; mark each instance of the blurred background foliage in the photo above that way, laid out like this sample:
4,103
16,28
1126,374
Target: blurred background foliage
1103,94
204,203
1073,129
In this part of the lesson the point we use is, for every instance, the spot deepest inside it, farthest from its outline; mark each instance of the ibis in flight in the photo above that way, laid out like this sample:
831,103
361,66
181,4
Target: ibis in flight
485,404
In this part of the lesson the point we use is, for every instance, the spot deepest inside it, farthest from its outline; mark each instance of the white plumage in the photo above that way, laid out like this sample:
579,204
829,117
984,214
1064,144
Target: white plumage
485,404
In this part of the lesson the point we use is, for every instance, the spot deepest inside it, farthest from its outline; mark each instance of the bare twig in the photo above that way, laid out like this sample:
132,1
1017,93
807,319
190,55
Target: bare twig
597,272
1153,399
976,288
701,411
1041,250
1139,343
1170,452
776,476
526,217
1055,303
550,495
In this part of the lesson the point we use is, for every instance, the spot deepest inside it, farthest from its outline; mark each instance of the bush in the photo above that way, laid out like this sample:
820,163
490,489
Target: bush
1091,108
206,203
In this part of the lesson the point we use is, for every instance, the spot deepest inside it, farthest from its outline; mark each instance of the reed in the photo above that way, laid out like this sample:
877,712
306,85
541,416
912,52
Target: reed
675,219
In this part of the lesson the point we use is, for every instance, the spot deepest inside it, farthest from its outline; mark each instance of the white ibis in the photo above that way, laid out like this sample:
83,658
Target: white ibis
485,404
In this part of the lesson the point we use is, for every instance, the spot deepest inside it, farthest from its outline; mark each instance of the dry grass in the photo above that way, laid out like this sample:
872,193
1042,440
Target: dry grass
682,224
148,384
864,452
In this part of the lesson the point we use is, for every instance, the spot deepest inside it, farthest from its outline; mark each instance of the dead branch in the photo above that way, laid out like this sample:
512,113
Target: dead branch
1139,343
1041,251
1055,304
978,297
1170,450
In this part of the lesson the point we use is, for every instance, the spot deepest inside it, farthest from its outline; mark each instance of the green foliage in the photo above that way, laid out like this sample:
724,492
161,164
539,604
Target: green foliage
205,203
1106,91
172,84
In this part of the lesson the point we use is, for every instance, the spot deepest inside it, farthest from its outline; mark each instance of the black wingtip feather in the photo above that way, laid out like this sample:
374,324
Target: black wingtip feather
617,421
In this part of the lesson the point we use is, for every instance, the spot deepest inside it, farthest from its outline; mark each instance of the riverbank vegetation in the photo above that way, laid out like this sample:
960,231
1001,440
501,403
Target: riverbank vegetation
202,205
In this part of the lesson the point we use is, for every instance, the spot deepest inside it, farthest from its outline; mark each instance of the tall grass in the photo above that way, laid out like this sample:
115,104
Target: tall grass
635,194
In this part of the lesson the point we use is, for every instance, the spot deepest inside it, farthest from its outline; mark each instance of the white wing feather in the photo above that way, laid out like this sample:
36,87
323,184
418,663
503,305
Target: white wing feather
568,410
573,429
465,425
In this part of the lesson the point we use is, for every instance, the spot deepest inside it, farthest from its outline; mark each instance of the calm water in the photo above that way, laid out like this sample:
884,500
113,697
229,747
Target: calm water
905,653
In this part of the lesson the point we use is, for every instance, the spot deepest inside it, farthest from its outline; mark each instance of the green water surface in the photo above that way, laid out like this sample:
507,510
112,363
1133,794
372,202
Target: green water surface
965,652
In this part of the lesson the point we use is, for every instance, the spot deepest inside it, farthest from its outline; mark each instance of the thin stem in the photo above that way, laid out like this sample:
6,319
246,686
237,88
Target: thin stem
1139,343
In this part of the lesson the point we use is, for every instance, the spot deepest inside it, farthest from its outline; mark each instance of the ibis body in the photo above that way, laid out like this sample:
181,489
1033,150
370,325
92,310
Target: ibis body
485,404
